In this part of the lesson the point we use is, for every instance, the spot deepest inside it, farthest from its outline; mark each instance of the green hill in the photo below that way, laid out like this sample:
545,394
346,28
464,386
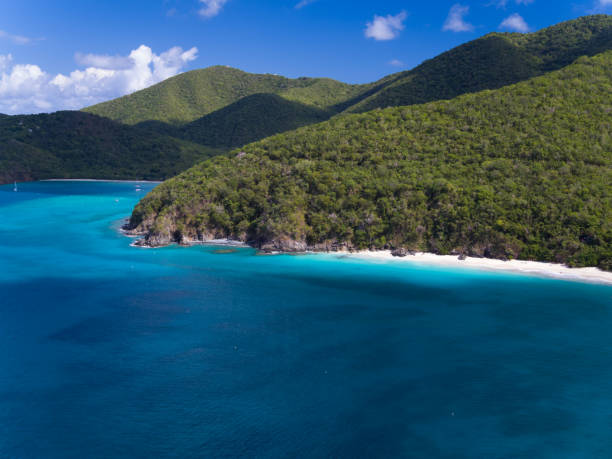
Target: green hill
192,95
251,118
80,145
490,62
520,172
220,108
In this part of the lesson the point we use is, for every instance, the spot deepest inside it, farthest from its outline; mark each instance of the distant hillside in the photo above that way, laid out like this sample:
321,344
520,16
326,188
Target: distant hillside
220,108
251,118
192,95
490,62
80,145
520,172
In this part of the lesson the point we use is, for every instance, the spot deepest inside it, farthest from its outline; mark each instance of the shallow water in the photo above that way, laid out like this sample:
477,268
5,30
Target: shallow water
107,350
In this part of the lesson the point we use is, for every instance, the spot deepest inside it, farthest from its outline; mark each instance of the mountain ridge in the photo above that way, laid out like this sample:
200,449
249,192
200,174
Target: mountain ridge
488,62
197,93
232,104
73,144
524,172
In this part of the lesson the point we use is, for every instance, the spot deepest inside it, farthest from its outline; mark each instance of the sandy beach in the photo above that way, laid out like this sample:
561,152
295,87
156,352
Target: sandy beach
534,268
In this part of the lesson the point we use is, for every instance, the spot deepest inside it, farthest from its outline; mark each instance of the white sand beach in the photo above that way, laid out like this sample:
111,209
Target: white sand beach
557,271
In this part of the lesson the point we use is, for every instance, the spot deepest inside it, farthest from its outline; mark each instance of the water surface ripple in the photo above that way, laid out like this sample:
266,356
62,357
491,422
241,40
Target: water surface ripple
107,350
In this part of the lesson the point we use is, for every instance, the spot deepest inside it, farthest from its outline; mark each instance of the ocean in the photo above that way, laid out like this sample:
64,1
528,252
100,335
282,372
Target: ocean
108,350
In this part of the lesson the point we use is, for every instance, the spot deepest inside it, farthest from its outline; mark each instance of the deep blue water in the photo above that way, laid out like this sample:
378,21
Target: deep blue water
107,350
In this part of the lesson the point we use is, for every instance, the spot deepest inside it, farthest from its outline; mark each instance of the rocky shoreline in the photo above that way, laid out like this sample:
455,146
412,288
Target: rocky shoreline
285,245
147,239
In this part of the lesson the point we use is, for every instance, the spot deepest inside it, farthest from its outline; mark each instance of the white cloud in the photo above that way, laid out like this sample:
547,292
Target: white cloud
504,3
211,7
396,63
514,22
5,61
304,3
102,61
29,89
385,27
171,62
455,22
602,6
17,39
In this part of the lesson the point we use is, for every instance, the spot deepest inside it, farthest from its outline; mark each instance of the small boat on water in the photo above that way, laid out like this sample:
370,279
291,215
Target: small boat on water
15,186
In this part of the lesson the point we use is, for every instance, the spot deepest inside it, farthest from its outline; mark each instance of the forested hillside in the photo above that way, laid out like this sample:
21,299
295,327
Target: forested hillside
251,118
520,172
173,124
80,145
192,95
225,107
490,62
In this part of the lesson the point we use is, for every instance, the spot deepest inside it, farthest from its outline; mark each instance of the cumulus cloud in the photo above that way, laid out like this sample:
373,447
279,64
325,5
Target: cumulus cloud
5,61
29,89
103,61
515,23
396,63
211,7
455,21
385,27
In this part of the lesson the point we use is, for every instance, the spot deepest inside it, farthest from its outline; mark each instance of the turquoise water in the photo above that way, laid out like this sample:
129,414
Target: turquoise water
107,350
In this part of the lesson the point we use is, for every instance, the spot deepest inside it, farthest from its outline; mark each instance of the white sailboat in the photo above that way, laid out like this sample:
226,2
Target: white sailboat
15,186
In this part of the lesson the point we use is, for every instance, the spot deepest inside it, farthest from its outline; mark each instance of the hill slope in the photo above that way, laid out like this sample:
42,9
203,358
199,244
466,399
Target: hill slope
251,118
524,172
191,95
80,145
489,62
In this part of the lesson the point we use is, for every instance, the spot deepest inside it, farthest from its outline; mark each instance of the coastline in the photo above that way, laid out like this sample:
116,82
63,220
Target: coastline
531,268
559,271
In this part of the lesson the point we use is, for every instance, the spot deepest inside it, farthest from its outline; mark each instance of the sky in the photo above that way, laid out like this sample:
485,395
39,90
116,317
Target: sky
68,54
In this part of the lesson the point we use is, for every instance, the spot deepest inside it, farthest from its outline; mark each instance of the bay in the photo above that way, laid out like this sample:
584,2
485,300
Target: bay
108,350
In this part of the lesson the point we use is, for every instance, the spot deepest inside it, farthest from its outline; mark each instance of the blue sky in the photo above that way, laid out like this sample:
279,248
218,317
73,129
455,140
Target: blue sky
70,53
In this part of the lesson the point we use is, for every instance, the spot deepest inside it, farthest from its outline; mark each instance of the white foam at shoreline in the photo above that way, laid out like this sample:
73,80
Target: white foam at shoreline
551,270
220,242
532,268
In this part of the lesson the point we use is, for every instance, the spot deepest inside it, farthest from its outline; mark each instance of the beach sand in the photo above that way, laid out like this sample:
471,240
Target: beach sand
551,270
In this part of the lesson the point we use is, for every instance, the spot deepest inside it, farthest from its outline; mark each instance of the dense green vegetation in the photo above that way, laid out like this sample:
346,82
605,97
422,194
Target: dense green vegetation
221,107
251,118
490,62
519,172
191,95
80,145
